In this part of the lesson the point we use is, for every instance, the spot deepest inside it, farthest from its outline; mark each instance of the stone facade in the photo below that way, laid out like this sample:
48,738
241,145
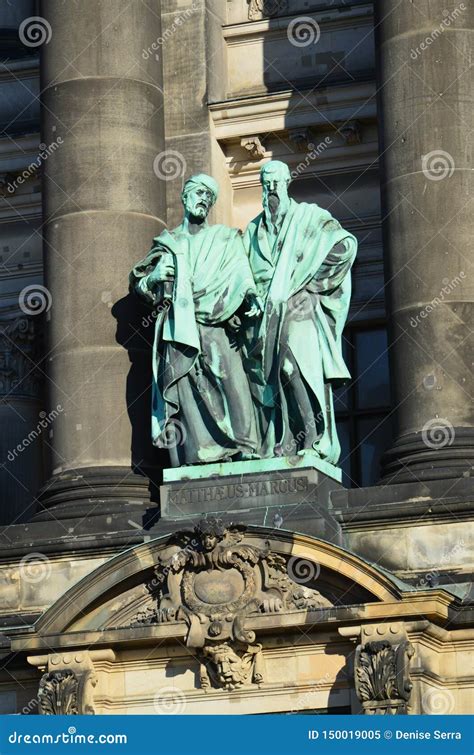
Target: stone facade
369,609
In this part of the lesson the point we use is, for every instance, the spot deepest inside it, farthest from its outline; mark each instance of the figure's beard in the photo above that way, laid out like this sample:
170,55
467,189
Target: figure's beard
199,210
197,213
275,207
273,204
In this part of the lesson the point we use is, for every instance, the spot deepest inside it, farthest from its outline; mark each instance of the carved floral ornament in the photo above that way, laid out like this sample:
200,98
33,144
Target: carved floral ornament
67,686
61,693
381,672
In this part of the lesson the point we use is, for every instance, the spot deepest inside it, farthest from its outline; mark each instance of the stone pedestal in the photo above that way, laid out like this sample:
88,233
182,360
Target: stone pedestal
289,493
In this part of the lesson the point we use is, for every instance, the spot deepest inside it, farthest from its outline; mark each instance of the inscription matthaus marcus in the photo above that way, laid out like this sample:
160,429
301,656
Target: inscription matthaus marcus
230,491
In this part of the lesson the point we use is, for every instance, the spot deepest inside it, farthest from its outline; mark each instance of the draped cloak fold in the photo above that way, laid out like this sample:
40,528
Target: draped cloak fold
304,278
198,378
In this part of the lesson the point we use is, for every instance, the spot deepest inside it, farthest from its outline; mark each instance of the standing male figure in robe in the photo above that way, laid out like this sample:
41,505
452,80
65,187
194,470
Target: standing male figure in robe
199,278
301,260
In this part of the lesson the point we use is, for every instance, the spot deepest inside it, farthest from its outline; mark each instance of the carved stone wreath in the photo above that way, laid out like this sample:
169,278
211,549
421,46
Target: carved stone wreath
214,581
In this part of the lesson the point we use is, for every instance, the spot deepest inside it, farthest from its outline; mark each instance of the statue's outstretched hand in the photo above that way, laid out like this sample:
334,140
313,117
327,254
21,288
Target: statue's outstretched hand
254,304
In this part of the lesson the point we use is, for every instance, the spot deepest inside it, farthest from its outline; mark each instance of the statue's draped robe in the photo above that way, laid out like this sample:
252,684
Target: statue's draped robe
294,356
199,385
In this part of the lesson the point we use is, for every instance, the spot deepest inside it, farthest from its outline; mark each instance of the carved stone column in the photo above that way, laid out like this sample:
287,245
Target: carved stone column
425,112
103,203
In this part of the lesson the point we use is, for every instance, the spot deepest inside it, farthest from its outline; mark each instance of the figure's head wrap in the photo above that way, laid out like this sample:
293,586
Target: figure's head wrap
275,169
201,179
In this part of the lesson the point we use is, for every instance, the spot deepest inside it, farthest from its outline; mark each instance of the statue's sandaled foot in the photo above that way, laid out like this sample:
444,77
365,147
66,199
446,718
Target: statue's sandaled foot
245,456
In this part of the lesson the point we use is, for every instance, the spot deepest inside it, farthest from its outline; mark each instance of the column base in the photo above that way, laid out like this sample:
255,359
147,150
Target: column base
94,491
439,452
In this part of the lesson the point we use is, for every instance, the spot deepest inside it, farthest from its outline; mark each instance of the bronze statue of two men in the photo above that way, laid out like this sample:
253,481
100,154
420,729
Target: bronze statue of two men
247,347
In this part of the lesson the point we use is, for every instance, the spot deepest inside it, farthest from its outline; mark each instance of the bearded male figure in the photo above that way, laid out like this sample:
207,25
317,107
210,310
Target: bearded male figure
301,260
198,279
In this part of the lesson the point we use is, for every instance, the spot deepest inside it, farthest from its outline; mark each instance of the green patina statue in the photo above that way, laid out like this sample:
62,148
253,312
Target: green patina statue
198,279
247,346
301,260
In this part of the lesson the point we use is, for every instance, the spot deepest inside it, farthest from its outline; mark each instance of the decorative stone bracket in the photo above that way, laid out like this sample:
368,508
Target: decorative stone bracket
230,666
66,687
301,137
351,132
254,146
381,669
259,9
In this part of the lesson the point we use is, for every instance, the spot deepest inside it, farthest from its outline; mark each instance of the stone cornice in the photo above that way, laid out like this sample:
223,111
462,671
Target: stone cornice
434,604
278,25
271,112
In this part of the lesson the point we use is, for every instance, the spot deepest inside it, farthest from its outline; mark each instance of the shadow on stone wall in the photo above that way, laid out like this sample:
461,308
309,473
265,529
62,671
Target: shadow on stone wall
135,329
